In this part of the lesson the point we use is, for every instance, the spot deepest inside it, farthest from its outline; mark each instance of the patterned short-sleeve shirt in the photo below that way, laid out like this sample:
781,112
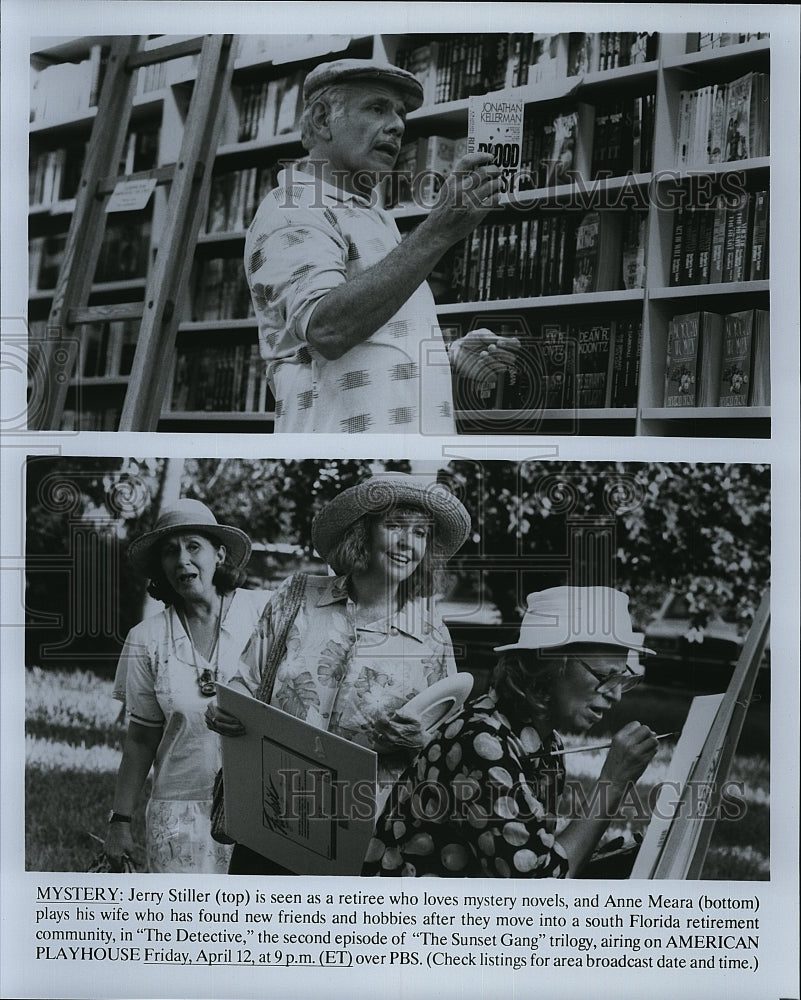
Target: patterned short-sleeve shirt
307,238
341,676
157,677
479,801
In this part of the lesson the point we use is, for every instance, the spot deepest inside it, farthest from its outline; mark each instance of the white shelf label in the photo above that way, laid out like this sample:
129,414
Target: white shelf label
130,196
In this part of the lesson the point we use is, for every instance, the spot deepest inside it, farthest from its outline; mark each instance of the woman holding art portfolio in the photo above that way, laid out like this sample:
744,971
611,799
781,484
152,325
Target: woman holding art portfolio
169,666
480,800
358,645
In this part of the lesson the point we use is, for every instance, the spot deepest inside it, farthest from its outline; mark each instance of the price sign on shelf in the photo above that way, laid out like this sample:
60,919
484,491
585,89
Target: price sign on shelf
130,196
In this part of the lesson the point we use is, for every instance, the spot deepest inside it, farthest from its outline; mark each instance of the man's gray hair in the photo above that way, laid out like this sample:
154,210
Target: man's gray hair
335,99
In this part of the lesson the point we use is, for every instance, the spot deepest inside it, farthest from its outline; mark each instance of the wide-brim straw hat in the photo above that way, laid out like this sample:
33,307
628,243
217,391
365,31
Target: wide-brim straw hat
328,74
186,516
564,616
383,493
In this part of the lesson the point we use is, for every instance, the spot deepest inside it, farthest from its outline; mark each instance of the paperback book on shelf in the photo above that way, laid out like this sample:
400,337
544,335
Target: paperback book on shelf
594,355
759,244
745,365
692,363
569,154
597,260
557,361
760,382
737,244
737,363
627,343
633,251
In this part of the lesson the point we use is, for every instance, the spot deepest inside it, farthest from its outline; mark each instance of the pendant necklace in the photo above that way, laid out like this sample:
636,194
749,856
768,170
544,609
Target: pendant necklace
205,678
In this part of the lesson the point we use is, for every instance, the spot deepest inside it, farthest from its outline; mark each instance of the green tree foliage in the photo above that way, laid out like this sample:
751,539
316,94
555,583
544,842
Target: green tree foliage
81,513
700,529
272,500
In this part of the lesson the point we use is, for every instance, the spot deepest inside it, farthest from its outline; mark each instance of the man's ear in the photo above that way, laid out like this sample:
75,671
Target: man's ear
320,119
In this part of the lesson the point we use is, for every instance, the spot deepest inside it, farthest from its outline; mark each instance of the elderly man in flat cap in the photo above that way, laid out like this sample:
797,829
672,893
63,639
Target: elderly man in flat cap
346,319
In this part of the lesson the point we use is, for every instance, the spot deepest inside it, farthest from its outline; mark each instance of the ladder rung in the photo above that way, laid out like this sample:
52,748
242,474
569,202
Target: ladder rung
101,314
164,53
164,175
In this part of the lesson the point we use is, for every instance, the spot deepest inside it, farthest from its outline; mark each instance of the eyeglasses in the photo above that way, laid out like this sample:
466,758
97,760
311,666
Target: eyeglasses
607,683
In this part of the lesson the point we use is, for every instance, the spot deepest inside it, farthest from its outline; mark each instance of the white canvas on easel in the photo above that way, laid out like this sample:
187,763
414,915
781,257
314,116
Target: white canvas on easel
667,808
294,793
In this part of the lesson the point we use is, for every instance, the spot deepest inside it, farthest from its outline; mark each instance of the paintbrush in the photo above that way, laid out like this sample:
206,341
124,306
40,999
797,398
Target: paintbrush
599,746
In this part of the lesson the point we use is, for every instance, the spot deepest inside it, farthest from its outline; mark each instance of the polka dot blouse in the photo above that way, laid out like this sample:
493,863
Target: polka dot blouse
479,801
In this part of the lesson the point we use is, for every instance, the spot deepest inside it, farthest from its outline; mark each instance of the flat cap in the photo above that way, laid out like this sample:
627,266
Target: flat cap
356,70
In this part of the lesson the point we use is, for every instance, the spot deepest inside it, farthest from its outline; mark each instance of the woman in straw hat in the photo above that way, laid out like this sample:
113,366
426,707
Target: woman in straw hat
167,673
365,641
480,800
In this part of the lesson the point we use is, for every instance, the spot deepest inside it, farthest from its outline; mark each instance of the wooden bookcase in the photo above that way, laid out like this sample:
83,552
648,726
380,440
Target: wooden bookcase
265,58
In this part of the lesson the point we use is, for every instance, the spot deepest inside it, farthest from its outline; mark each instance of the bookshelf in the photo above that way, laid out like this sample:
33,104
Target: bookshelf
645,77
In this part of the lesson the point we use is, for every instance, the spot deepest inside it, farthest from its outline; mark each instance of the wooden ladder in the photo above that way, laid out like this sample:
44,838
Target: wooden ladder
189,179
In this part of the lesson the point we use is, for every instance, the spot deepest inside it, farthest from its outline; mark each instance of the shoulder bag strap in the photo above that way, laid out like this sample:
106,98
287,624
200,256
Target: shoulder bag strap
292,602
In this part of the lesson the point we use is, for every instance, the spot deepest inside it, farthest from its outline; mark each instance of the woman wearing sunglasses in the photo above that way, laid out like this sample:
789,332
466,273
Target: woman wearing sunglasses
481,799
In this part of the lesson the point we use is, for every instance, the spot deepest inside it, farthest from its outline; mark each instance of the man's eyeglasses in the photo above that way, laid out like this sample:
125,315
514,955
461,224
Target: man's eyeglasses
607,683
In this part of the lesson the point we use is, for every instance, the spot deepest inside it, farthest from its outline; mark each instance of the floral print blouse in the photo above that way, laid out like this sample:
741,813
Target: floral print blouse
341,676
479,801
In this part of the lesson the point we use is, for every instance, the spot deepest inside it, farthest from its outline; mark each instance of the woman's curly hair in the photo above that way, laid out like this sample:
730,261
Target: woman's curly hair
352,554
226,577
523,681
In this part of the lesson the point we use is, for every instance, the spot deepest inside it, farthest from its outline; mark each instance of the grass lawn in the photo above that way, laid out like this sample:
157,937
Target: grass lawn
74,739
73,744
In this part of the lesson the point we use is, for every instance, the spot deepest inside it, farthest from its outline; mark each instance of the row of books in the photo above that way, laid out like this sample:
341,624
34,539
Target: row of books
723,243
607,140
67,89
623,136
45,257
549,253
236,195
158,76
724,122
585,365
701,41
107,349
124,254
422,166
270,107
718,360
220,379
591,53
458,66
125,250
141,149
221,290
611,141
55,174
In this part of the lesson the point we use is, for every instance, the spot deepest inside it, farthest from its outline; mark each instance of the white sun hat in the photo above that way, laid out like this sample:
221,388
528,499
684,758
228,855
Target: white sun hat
564,616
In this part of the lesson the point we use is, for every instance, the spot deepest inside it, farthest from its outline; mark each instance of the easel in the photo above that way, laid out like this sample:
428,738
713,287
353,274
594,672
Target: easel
682,852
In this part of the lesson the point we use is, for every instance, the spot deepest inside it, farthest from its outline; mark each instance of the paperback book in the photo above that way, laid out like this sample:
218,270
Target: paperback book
495,125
